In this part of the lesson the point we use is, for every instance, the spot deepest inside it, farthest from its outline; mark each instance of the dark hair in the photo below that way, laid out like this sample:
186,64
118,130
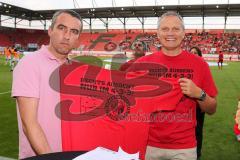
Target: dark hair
70,12
198,51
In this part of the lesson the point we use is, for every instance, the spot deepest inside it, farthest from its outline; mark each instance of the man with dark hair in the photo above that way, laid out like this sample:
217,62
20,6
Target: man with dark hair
173,135
39,128
139,50
70,12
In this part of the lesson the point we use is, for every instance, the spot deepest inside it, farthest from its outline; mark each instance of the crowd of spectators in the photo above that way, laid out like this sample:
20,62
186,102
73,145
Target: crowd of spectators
227,43
213,43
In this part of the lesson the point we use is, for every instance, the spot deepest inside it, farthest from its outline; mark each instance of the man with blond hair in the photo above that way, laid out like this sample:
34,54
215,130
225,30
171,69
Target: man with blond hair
172,137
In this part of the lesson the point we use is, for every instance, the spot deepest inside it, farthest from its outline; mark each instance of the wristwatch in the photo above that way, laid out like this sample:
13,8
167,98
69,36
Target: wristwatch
202,96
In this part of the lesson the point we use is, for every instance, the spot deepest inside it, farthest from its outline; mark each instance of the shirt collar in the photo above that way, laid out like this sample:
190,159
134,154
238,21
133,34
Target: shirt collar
48,54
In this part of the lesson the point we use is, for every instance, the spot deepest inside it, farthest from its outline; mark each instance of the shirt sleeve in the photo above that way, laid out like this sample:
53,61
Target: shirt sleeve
208,84
26,78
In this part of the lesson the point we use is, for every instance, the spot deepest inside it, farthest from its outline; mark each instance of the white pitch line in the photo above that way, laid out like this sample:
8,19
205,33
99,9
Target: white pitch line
6,158
5,93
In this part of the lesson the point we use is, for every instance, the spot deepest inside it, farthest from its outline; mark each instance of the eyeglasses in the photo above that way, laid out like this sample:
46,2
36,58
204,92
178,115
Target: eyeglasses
138,45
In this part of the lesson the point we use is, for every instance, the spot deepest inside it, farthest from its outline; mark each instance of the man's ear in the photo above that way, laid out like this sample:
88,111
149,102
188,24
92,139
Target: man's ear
49,31
79,36
184,34
158,35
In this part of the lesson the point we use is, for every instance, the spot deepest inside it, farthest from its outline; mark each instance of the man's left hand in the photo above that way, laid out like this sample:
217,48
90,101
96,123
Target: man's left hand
189,88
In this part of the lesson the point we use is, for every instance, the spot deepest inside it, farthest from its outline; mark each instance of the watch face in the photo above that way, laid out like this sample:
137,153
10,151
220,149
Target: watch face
203,96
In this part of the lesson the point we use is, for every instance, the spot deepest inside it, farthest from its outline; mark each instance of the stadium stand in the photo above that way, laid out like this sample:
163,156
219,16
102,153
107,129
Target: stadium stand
210,41
22,37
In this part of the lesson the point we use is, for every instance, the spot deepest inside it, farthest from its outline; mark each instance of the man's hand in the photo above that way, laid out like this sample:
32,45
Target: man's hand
189,88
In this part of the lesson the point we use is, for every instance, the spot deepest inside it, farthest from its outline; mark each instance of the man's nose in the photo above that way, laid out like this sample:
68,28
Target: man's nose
67,34
170,32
